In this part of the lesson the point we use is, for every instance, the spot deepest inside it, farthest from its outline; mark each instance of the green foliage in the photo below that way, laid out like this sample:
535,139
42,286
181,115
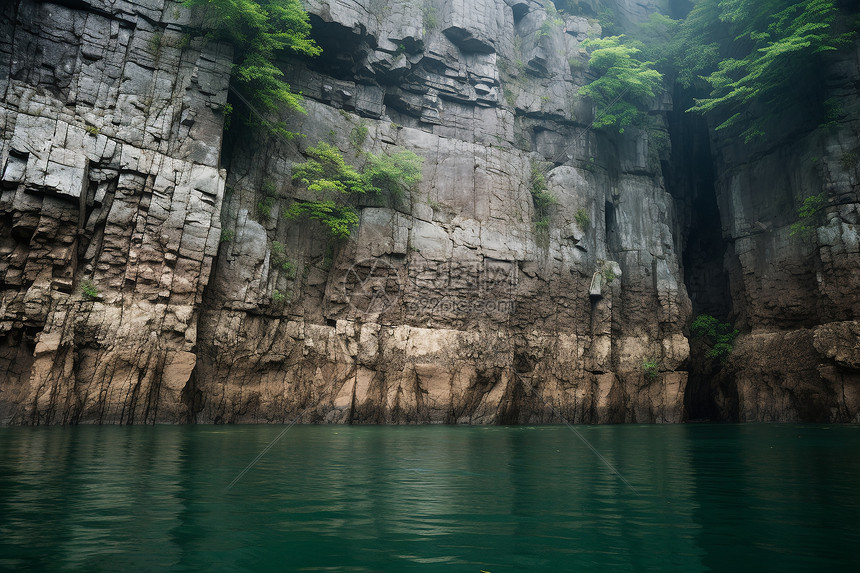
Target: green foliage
608,21
226,235
339,219
327,172
155,43
281,260
278,296
650,369
92,130
833,112
269,188
338,184
773,43
393,174
258,31
720,335
542,199
264,206
358,135
583,221
608,275
89,290
553,20
228,115
625,83
576,64
806,215
429,16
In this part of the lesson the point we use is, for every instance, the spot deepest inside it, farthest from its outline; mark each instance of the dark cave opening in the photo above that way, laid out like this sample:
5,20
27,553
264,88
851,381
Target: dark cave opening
691,181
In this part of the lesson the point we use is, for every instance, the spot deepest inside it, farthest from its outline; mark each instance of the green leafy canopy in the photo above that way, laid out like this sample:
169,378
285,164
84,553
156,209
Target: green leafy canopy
258,31
625,83
338,184
781,38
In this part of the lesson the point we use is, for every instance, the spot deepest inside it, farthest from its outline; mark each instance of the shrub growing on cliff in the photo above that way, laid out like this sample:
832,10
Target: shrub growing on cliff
806,215
89,290
583,221
338,185
625,83
258,31
650,369
392,174
542,199
720,335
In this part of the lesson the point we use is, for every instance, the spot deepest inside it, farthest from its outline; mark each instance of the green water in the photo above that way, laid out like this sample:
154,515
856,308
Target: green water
390,499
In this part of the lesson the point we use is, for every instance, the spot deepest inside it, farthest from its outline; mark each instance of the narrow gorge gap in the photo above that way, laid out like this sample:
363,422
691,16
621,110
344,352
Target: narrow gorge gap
690,178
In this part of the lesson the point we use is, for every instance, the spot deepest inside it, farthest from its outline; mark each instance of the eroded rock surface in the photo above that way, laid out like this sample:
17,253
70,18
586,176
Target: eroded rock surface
147,277
111,121
443,297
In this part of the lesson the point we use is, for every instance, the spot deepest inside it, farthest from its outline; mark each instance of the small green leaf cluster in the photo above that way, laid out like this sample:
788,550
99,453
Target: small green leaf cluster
625,83
806,215
720,335
327,172
392,174
280,259
650,369
89,290
542,199
358,135
338,184
429,16
583,221
553,20
265,205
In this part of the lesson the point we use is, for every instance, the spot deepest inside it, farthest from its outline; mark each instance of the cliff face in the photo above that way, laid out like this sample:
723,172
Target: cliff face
200,302
796,297
427,312
110,145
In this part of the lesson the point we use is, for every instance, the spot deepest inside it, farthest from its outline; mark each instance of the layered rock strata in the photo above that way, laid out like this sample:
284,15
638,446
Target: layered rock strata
111,120
443,297
148,274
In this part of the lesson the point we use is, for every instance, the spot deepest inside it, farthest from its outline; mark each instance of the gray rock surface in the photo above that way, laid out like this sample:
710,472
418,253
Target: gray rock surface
103,185
140,282
440,297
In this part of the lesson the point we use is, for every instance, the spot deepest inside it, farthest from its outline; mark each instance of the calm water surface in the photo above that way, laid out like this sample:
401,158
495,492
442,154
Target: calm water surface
391,499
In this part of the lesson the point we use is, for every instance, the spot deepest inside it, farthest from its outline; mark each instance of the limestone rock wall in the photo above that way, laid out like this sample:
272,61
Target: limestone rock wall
148,274
110,133
796,297
442,298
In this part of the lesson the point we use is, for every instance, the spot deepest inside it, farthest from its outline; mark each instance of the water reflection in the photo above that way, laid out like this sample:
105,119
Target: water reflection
428,498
